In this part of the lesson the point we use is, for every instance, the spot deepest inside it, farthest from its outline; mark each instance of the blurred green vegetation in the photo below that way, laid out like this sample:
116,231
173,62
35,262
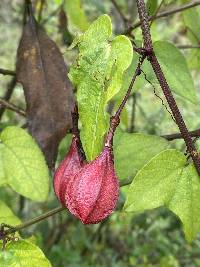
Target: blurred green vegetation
154,238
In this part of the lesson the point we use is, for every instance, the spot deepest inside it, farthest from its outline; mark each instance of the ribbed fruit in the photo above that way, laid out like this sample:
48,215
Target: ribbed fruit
91,195
70,165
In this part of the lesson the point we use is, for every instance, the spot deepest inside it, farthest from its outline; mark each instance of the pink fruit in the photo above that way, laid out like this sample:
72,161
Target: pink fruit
91,195
67,169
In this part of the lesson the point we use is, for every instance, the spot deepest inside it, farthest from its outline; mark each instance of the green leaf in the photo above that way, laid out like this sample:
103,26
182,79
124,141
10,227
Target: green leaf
23,164
2,172
193,59
127,77
23,254
176,70
98,73
7,216
151,7
140,81
77,18
133,151
191,19
167,181
186,200
174,66
58,2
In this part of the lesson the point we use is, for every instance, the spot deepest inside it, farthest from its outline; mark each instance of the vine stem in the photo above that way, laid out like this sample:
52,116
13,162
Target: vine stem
12,107
189,46
123,17
34,220
164,85
167,13
114,122
48,214
171,137
7,72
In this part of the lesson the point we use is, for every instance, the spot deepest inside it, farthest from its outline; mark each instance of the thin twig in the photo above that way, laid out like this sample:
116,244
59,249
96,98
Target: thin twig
7,72
8,94
189,46
132,122
53,13
164,85
116,118
34,220
48,214
42,4
12,107
171,137
25,12
166,13
123,17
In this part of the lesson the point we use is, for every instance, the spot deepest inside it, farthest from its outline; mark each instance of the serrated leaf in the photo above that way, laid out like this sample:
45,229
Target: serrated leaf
167,181
97,74
133,151
7,216
176,71
24,165
77,19
23,254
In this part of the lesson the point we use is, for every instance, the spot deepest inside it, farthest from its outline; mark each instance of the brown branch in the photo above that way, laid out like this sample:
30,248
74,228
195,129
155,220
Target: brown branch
42,4
166,13
171,137
53,13
34,220
8,94
12,107
118,9
44,216
188,46
114,122
148,47
7,72
133,111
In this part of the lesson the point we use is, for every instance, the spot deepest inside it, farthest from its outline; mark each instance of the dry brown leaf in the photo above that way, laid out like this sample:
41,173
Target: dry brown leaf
49,96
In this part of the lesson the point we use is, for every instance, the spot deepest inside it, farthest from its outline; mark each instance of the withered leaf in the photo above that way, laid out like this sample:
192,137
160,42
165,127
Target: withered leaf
49,96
